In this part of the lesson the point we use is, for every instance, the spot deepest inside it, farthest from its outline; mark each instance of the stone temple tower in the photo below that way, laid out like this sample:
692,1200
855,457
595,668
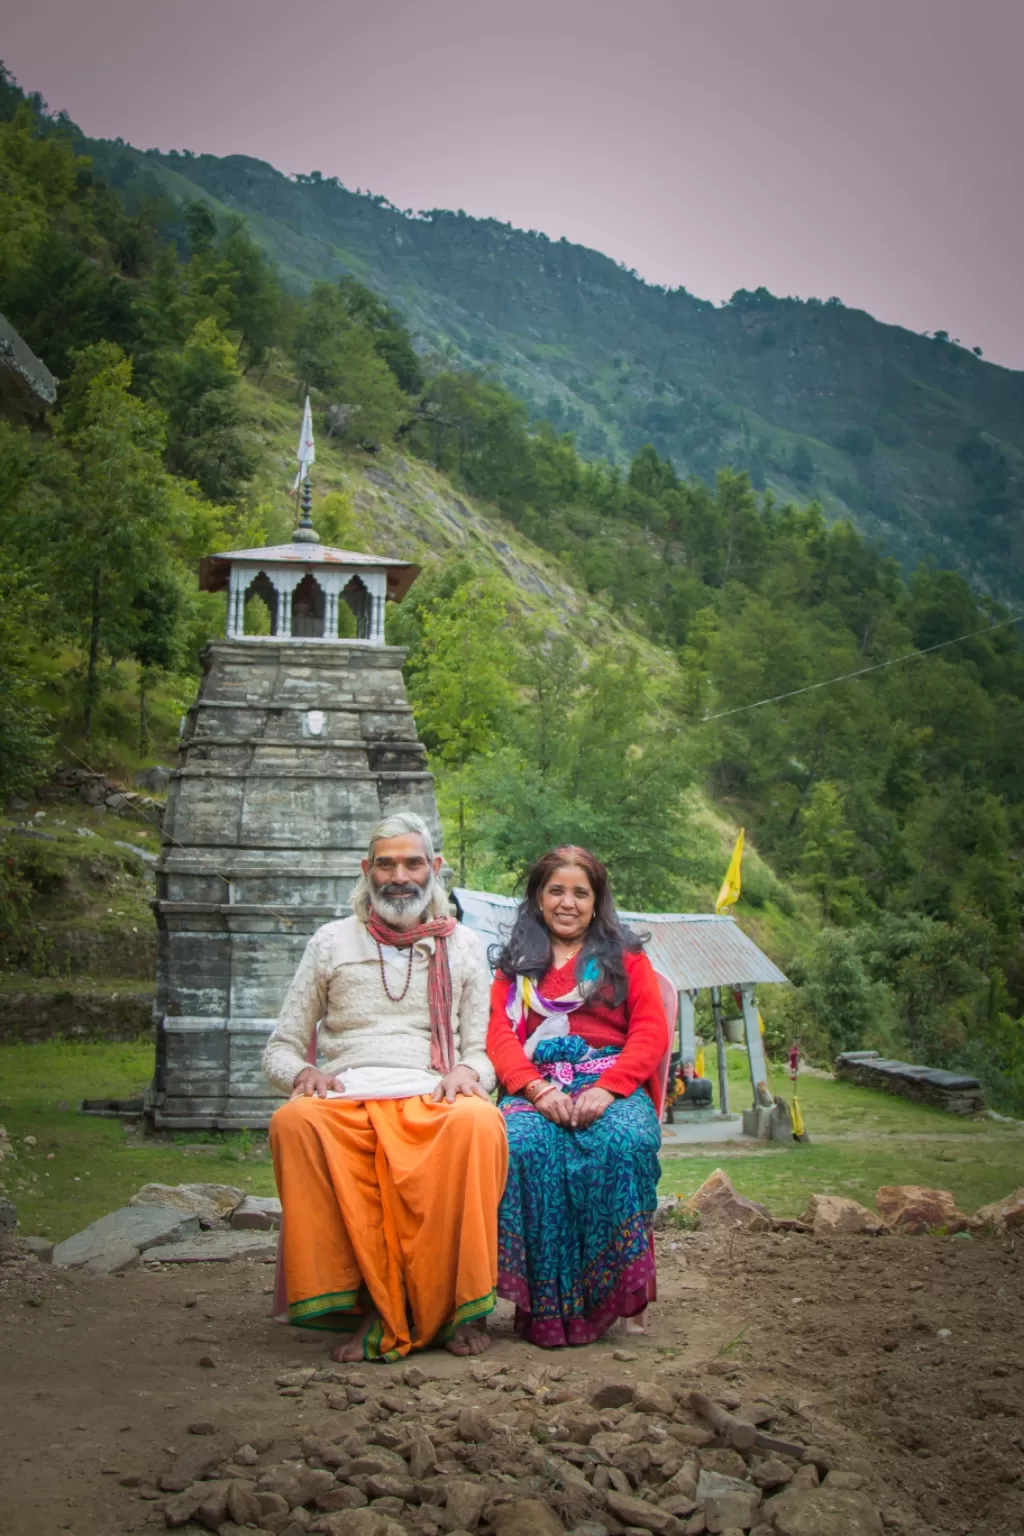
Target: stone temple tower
299,741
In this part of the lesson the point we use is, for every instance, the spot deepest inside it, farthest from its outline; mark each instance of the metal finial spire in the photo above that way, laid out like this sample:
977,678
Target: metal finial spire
305,533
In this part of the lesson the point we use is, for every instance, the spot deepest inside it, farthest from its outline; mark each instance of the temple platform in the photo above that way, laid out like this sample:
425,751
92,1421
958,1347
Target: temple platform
703,1127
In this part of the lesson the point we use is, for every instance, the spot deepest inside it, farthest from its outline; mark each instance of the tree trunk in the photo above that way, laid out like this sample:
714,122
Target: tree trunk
143,722
462,842
94,652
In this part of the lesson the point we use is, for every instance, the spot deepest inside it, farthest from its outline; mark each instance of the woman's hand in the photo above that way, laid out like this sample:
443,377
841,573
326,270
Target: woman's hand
556,1107
312,1083
590,1106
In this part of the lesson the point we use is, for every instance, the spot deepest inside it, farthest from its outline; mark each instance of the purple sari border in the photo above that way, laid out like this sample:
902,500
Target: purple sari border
630,1296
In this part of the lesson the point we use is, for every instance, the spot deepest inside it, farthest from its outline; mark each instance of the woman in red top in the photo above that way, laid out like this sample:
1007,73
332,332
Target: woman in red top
576,1034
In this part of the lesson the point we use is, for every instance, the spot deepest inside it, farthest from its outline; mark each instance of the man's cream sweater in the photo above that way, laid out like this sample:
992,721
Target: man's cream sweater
338,986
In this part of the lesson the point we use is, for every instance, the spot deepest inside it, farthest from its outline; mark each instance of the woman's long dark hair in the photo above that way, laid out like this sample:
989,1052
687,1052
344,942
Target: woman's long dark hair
528,952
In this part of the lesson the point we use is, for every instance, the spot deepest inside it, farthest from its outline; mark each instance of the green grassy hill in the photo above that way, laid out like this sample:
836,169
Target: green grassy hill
915,438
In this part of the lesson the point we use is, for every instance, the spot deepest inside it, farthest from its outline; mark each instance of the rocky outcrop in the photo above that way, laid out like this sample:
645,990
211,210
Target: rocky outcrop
29,1017
27,387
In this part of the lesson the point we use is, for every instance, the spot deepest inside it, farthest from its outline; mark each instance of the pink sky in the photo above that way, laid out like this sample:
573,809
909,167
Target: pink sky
866,148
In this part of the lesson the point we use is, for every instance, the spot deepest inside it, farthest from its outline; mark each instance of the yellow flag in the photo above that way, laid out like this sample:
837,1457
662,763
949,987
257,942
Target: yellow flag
732,884
698,1066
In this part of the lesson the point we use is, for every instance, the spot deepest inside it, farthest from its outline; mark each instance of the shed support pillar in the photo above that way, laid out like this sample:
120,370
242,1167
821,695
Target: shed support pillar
723,1070
687,1027
755,1045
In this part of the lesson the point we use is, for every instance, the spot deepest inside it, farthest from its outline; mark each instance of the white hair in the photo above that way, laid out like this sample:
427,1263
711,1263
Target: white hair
402,824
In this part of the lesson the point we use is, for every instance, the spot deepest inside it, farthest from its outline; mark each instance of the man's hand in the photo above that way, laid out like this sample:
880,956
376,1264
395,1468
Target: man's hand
590,1106
461,1080
312,1083
556,1107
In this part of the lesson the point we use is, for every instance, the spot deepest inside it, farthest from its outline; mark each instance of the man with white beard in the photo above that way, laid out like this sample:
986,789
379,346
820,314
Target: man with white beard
390,1158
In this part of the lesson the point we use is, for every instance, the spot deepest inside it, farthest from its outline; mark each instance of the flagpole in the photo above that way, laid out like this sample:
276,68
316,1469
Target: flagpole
304,532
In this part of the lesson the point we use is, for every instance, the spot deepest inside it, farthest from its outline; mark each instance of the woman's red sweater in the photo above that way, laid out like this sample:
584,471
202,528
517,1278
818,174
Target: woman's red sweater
638,1027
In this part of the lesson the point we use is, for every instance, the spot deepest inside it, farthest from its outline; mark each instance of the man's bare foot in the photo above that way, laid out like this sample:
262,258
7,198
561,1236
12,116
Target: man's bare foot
469,1339
352,1350
637,1324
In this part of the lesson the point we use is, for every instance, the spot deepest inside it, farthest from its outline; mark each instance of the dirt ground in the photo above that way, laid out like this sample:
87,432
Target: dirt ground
902,1357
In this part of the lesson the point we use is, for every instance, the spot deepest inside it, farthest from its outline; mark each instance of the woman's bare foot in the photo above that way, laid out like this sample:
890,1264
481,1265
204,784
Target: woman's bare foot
469,1339
352,1350
637,1324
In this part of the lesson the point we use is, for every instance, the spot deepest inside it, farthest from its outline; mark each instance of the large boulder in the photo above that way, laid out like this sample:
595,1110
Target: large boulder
836,1216
721,1205
210,1202
914,1209
215,1248
1002,1215
114,1242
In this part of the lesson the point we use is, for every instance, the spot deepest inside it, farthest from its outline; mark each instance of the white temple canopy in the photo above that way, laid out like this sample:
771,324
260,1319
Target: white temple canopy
303,584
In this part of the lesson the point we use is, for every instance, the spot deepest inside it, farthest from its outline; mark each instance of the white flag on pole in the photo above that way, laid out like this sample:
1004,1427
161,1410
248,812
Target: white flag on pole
306,454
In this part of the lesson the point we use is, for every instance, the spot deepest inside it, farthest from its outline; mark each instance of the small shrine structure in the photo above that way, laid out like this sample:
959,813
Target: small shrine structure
297,744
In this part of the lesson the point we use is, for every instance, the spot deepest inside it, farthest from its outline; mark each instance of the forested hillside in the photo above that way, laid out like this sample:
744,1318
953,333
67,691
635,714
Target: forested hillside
586,642
916,439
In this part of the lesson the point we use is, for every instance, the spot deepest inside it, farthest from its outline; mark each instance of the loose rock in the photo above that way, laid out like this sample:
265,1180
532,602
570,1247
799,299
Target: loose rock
834,1215
1002,1215
243,1505
638,1513
257,1213
649,1397
526,1517
913,1209
611,1394
772,1474
824,1512
720,1204
474,1425
193,1463
464,1505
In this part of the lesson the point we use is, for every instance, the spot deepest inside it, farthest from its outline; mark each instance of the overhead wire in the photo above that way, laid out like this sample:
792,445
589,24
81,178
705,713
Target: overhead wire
844,677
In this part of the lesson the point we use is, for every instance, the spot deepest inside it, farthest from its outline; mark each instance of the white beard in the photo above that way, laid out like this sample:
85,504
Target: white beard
404,911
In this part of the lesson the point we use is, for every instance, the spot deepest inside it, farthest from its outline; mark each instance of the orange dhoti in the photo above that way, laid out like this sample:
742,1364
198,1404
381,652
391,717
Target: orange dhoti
389,1204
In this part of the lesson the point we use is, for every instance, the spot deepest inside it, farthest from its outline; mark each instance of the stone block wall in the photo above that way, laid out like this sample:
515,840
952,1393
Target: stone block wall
289,756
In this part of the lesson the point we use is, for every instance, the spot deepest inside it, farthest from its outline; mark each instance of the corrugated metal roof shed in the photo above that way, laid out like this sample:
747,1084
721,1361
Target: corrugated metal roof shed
693,949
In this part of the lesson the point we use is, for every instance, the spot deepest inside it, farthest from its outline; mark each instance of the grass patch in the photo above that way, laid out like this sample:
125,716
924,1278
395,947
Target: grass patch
81,1167
860,1140
783,1178
96,1165
832,1108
